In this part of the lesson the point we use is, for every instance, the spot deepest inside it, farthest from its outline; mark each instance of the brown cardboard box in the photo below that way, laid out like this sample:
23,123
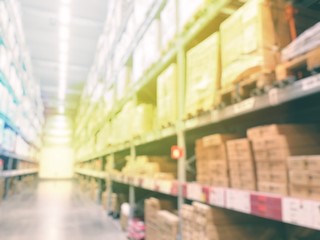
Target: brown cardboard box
305,178
304,163
271,166
217,139
272,176
277,188
307,192
280,129
286,141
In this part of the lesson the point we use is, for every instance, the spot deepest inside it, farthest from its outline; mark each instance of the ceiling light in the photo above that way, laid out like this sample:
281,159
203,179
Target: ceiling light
63,59
66,2
64,47
64,33
62,90
64,15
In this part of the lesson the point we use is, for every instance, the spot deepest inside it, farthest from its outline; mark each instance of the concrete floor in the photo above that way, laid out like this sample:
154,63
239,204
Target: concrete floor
55,211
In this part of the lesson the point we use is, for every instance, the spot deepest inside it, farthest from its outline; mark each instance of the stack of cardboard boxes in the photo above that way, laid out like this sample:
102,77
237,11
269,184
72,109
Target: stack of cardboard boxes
304,174
219,224
160,224
212,161
202,75
151,166
241,164
272,145
168,224
187,214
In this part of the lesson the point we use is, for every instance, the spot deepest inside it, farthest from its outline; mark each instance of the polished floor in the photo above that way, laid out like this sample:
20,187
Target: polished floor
56,210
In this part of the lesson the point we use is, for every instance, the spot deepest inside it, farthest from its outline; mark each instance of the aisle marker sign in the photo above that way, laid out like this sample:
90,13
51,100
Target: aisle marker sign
176,152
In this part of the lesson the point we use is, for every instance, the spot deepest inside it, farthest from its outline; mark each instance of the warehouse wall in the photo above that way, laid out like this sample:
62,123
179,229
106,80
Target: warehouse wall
57,155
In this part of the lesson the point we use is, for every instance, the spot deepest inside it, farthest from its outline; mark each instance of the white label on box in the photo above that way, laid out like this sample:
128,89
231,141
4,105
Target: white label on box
311,82
296,211
217,197
244,105
274,96
238,200
194,192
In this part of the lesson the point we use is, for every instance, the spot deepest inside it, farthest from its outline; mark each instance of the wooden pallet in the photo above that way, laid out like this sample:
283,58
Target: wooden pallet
166,125
298,68
250,83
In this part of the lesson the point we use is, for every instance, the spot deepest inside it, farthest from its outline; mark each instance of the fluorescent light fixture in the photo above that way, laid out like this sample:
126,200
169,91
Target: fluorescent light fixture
62,90
64,15
63,59
64,47
64,33
66,2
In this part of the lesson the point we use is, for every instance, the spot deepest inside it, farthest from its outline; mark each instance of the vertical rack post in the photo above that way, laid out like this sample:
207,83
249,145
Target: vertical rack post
8,179
109,183
131,187
181,64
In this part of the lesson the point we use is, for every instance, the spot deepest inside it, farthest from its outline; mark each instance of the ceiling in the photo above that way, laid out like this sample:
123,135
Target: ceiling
41,26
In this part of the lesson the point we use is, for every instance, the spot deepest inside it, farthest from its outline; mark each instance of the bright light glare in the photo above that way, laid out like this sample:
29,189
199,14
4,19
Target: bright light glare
61,109
66,2
64,33
64,15
62,89
63,59
64,47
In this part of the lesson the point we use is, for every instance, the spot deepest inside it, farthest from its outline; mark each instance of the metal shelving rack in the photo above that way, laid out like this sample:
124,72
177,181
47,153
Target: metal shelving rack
280,208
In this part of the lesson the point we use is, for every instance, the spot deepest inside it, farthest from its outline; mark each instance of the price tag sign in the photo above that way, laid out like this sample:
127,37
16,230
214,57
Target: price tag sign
238,200
274,96
217,197
165,186
194,192
296,211
310,83
315,213
244,106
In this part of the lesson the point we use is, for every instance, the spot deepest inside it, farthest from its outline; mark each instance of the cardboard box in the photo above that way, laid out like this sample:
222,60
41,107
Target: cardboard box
259,132
167,96
306,192
286,141
305,178
272,177
271,166
277,188
203,74
304,163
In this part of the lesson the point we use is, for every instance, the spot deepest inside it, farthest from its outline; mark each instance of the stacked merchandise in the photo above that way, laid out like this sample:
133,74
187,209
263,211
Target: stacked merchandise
167,96
187,214
219,224
157,220
202,75
143,119
151,166
167,224
303,50
250,39
241,164
168,24
272,145
212,161
304,175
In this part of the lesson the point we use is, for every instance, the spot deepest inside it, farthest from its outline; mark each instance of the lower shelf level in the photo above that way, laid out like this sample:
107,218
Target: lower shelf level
295,211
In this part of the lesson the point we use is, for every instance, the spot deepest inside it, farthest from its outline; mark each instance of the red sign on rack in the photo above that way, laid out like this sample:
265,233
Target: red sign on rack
176,152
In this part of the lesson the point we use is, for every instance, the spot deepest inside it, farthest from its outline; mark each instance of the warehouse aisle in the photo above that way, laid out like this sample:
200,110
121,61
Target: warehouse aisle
56,211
